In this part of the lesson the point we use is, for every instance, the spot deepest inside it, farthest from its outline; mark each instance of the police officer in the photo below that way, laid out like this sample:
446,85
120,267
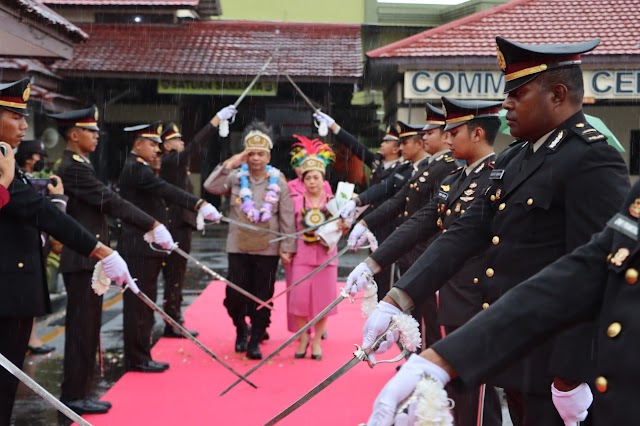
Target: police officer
140,186
90,202
550,191
181,222
22,268
427,175
473,126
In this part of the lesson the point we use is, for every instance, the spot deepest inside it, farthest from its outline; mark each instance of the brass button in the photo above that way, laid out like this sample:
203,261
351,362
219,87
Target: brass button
489,272
164,263
449,212
166,208
476,280
407,199
631,276
485,305
493,197
495,240
614,329
530,202
601,384
20,265
502,206
97,235
406,214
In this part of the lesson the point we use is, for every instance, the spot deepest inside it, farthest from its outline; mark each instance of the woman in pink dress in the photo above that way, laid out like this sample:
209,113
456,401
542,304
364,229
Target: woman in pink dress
313,295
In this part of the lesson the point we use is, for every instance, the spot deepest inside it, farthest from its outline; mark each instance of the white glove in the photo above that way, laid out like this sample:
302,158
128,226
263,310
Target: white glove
355,239
348,210
162,237
376,324
400,387
227,113
572,405
321,117
115,268
210,213
358,278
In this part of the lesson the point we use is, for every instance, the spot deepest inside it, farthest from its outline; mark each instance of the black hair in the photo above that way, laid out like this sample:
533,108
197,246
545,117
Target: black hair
570,76
490,125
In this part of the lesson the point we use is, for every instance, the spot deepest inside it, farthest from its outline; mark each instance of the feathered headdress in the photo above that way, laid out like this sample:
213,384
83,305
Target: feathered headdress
311,154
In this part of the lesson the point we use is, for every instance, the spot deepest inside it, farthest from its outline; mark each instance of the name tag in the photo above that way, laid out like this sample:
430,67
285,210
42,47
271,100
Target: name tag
624,225
496,174
443,195
398,176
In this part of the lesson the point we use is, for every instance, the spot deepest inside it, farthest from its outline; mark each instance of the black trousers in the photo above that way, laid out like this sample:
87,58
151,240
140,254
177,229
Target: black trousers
174,271
14,338
528,409
465,412
82,335
426,313
257,275
138,317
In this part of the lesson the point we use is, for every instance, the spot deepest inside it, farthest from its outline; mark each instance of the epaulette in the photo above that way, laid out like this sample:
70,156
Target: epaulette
587,133
448,157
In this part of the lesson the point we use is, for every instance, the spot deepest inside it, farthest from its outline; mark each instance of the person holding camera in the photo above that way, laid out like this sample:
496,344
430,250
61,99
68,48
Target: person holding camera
22,276
7,170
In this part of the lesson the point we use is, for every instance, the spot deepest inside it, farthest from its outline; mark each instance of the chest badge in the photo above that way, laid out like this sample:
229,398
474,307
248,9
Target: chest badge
634,208
473,185
557,140
79,159
620,256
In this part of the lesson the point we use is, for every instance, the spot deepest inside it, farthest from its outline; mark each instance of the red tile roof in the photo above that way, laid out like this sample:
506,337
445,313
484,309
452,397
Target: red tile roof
190,3
615,22
34,9
218,48
26,66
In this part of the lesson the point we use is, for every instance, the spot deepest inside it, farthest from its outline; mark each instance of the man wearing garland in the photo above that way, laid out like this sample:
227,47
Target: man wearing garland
258,194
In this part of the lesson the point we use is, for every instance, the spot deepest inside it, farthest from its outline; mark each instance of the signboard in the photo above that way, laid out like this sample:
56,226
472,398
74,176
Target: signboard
483,84
222,88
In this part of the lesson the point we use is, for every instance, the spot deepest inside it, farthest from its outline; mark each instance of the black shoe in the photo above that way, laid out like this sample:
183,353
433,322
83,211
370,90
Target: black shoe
106,404
265,337
150,367
173,333
241,338
40,350
86,406
253,349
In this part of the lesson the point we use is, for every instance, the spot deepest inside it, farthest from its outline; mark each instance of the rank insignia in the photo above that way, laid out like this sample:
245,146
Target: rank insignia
439,223
620,256
557,140
458,207
466,199
473,185
468,192
422,179
79,159
425,174
498,193
445,187
480,167
634,209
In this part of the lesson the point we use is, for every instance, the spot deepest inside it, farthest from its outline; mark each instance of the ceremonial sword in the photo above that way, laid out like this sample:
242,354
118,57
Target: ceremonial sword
309,275
322,132
302,231
343,295
42,392
256,228
358,356
173,323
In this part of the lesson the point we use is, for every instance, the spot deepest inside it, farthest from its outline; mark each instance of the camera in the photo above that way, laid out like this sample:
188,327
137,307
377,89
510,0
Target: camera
40,185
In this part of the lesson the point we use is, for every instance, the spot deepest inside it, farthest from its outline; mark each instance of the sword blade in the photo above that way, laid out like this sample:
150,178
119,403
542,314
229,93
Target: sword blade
306,277
173,323
256,228
221,278
291,339
302,231
253,82
301,93
42,392
316,390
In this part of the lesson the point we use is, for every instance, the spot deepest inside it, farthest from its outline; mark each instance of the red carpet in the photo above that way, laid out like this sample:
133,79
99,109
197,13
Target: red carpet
187,394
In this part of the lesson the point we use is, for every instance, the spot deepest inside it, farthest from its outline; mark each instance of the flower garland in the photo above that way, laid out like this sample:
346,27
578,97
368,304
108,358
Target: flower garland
248,207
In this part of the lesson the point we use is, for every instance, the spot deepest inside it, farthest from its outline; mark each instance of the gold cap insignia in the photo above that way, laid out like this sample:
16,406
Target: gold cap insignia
96,115
620,256
159,129
501,62
634,208
175,129
26,93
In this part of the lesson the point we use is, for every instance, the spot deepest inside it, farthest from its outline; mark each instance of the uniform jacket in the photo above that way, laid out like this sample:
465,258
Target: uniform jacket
597,281
141,187
531,215
415,194
226,182
90,202
175,170
22,265
462,297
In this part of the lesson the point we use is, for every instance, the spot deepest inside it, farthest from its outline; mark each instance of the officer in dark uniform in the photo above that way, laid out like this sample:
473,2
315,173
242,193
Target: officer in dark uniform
473,126
550,191
139,185
181,222
22,266
424,183
90,201
598,280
